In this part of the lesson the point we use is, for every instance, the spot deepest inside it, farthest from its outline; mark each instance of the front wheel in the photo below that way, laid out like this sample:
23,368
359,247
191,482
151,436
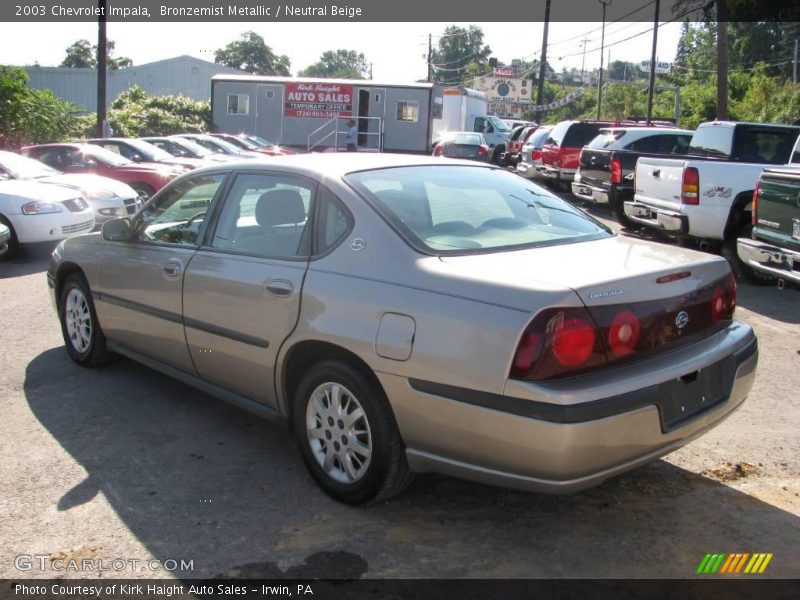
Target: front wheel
83,337
347,435
13,244
143,191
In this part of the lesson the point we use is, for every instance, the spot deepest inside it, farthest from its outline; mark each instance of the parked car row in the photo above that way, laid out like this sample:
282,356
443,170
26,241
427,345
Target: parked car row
698,187
52,191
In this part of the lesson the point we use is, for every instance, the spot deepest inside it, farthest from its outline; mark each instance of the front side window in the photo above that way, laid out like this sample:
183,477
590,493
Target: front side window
238,104
177,215
408,111
457,209
266,215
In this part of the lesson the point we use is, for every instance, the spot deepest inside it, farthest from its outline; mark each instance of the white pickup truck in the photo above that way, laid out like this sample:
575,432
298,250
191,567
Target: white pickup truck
706,195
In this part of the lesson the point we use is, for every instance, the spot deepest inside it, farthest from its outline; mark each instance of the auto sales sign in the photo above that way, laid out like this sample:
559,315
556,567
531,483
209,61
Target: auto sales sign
318,100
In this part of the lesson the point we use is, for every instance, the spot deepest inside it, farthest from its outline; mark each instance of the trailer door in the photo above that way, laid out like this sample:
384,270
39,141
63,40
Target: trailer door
269,112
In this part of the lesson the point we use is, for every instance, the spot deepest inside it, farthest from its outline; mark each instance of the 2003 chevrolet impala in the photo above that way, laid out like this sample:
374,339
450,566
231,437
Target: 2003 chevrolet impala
406,315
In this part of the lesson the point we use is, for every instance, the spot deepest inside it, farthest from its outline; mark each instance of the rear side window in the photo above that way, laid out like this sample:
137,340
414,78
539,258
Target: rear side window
661,144
538,138
712,140
581,134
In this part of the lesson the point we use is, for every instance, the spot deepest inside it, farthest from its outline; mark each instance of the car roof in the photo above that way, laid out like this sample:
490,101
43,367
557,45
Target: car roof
337,164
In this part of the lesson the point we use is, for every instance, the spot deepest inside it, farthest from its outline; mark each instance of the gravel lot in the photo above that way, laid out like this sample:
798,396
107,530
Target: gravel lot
124,463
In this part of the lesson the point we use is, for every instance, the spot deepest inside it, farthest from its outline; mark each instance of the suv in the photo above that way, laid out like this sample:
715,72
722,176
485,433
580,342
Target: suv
562,149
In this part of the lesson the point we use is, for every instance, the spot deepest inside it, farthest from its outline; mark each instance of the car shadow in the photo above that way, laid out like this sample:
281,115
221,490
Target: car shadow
196,479
27,260
769,301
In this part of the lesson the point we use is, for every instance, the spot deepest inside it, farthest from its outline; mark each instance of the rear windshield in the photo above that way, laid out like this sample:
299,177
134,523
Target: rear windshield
581,134
712,140
462,209
558,132
604,139
538,138
467,139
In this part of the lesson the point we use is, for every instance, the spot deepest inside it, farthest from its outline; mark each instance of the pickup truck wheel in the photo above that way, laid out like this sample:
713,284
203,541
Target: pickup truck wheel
80,328
619,212
743,271
347,435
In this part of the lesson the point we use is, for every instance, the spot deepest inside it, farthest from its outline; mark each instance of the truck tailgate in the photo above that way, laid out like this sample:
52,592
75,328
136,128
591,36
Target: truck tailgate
778,211
658,182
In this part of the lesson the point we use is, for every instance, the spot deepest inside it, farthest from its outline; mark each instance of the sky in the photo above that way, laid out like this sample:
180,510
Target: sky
396,50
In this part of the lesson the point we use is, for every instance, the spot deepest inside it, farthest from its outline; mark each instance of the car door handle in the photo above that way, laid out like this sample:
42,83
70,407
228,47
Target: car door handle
279,287
172,268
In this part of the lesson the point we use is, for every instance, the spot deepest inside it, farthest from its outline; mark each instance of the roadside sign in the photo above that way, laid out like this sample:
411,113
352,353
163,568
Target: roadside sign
661,67
504,71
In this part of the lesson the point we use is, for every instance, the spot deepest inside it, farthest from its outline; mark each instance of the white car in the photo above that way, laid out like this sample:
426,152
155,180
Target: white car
108,197
42,212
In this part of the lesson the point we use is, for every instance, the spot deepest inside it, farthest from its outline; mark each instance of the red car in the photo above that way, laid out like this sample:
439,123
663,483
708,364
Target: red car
514,149
145,178
253,144
561,152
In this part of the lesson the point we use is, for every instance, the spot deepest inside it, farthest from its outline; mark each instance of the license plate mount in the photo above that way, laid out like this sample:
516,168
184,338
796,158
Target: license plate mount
796,229
685,398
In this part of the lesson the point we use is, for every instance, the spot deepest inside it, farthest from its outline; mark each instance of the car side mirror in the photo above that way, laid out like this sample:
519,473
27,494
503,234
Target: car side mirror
118,230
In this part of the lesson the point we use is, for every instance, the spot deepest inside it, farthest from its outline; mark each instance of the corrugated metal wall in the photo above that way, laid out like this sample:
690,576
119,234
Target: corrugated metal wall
181,75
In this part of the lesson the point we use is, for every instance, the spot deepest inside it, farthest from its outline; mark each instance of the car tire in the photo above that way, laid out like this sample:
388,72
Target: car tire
618,210
143,190
743,271
13,243
83,337
347,435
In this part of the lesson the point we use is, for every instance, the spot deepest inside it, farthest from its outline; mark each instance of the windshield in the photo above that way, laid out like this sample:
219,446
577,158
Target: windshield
107,157
605,138
460,209
248,144
218,145
499,124
149,151
22,167
259,140
538,138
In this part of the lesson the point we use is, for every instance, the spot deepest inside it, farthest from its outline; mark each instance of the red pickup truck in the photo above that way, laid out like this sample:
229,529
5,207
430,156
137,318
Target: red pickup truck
145,178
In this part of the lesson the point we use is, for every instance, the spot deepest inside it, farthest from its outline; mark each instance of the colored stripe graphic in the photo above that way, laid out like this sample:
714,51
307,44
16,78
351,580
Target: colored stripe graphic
732,558
703,563
765,563
718,563
741,562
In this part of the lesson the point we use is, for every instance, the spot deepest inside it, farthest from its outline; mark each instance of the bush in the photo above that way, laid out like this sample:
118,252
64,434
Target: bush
135,114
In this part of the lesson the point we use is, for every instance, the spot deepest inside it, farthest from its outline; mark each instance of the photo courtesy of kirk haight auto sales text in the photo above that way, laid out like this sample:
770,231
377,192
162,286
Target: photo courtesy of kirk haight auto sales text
161,590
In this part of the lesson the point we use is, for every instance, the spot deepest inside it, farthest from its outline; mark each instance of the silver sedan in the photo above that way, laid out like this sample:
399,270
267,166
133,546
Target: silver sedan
404,315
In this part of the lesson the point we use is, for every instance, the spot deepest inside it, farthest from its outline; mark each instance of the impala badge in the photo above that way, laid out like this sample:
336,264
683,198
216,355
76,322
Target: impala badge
681,319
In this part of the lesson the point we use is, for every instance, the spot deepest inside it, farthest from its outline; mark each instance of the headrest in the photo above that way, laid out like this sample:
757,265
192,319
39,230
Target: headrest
280,207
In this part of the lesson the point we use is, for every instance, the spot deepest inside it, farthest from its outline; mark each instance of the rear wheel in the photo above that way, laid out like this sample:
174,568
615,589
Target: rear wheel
347,435
743,271
13,243
80,328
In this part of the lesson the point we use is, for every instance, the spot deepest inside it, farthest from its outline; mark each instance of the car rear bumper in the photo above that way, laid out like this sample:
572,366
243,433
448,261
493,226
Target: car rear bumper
528,170
568,447
769,258
657,218
556,174
590,193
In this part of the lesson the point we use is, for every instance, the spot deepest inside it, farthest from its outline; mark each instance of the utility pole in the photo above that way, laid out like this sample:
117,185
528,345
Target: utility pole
102,55
794,73
605,3
583,60
722,60
370,71
430,57
542,62
651,87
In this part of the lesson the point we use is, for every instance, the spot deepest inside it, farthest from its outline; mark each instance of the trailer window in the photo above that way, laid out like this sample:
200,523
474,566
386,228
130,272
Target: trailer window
238,104
407,111
437,108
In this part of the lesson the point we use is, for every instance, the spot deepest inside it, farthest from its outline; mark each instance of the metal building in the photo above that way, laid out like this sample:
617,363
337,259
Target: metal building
182,75
312,113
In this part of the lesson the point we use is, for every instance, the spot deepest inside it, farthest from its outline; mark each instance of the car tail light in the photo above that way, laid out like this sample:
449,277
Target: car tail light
573,342
723,299
438,150
690,186
536,154
755,203
483,150
558,342
616,171
623,333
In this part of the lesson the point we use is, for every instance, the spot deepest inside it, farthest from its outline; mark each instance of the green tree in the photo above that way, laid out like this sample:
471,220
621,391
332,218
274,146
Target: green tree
250,53
344,64
82,54
31,116
135,114
459,53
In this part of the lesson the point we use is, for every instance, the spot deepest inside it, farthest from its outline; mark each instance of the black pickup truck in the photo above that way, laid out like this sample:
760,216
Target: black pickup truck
607,163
